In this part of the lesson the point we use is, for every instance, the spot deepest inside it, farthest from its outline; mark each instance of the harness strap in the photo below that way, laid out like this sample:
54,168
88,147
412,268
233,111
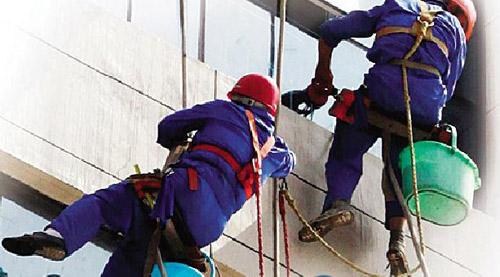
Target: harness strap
247,174
416,65
426,17
257,160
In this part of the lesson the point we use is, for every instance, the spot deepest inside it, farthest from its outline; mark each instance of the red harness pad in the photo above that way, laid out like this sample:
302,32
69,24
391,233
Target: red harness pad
145,183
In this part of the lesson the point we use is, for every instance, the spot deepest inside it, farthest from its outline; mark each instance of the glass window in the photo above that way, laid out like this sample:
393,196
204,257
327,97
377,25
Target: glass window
192,27
16,220
352,5
355,4
159,17
349,65
162,18
300,57
237,37
118,8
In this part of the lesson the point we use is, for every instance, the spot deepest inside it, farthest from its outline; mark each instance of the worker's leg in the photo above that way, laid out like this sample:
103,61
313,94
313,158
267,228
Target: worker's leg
114,206
394,217
130,256
343,170
345,161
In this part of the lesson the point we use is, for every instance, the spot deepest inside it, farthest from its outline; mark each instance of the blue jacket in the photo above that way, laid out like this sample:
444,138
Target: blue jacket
224,124
384,81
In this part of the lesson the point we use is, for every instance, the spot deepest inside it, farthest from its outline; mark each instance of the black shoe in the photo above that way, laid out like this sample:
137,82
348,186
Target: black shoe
38,243
396,256
341,214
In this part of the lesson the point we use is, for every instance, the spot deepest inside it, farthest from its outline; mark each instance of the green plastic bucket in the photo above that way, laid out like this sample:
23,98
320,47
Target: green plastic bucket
446,179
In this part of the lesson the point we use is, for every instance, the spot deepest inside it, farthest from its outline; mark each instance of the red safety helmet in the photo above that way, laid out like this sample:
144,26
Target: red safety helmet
466,13
259,88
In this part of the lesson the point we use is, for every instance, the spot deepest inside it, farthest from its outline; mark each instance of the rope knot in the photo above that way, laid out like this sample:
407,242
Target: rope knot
424,23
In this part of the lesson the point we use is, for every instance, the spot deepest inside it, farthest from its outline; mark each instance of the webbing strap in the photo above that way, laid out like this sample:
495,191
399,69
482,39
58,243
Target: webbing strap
426,17
255,140
415,65
247,101
225,155
244,173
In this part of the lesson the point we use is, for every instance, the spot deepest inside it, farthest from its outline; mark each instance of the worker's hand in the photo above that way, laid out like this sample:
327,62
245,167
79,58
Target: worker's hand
318,92
323,75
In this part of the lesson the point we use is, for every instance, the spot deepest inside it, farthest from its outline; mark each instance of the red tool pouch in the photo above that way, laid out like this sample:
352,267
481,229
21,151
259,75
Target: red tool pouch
342,108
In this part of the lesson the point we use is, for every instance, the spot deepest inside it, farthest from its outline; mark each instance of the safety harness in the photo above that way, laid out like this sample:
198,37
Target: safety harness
422,31
344,108
248,175
176,243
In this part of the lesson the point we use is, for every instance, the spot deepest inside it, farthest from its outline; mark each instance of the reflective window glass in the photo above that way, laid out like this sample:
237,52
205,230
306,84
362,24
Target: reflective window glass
118,8
355,4
158,17
237,37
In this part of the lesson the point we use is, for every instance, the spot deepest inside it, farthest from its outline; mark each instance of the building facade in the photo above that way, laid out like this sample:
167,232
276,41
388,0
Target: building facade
85,82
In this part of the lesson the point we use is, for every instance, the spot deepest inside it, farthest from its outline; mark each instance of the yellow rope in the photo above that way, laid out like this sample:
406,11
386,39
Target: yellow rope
425,21
406,91
291,202
413,158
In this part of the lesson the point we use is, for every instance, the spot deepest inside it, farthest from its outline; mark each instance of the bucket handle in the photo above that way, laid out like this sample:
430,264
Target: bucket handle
453,131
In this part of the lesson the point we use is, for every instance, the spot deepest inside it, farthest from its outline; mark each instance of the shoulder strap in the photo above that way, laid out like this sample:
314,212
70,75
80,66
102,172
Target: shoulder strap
268,145
426,15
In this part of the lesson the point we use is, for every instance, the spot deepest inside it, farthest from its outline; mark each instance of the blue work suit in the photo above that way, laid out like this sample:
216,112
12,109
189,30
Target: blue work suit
204,211
428,92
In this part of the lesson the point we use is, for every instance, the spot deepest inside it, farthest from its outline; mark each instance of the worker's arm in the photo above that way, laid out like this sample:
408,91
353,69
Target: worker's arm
174,128
356,24
332,32
280,161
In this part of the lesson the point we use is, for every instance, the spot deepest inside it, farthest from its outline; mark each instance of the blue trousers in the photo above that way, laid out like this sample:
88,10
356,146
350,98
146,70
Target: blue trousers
119,208
345,164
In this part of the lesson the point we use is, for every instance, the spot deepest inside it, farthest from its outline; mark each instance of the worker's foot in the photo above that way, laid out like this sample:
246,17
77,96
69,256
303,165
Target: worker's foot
396,256
340,214
38,243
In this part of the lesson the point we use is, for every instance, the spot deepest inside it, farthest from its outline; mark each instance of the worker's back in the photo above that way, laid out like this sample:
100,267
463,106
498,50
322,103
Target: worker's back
219,194
429,92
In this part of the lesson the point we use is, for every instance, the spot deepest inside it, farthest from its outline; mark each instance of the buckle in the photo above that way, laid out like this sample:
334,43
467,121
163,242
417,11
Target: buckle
426,23
250,102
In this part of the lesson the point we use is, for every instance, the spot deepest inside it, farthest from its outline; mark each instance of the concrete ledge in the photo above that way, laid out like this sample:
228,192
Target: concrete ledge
40,181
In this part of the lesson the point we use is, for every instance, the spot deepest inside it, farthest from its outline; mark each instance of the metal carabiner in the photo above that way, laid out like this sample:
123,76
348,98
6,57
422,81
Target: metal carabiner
283,184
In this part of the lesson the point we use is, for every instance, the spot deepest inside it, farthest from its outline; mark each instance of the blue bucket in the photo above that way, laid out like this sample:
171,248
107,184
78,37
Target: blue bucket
176,270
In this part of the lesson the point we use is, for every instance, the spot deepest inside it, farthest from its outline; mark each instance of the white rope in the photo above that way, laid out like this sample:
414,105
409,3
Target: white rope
279,75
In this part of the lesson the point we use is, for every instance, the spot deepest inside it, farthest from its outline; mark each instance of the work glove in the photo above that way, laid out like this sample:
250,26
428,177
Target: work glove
321,87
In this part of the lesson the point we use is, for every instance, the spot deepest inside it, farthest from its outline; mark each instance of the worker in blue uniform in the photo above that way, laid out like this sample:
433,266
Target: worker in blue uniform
205,188
433,70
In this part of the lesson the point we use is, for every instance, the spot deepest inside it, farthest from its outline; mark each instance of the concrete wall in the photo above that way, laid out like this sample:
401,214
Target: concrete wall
80,96
487,42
